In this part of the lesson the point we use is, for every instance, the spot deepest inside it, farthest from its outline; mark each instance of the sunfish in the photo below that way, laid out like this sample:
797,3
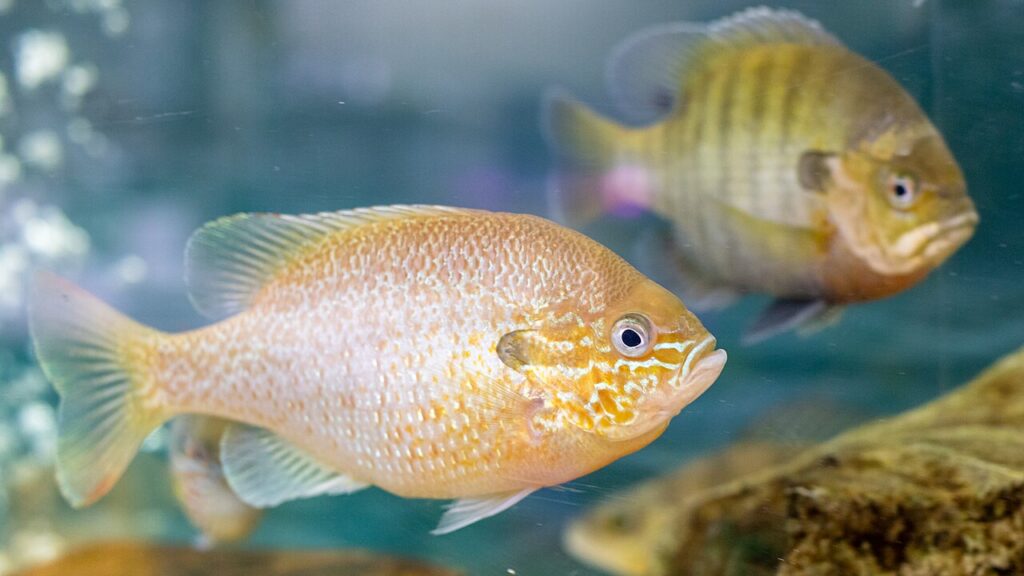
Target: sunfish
432,352
787,164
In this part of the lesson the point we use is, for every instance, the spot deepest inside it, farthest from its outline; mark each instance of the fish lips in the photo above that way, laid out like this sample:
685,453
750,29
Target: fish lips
699,371
936,240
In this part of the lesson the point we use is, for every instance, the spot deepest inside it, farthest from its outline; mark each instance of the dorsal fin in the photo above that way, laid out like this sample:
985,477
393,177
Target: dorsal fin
229,260
645,72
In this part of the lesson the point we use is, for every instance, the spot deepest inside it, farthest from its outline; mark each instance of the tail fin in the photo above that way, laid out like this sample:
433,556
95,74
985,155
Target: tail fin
600,167
94,357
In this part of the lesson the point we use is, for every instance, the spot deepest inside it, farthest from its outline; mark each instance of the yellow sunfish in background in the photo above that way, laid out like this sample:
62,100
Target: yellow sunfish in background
787,164
432,352
199,482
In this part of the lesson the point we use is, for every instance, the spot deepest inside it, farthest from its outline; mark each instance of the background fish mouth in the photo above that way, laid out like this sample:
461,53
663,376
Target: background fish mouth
952,234
935,239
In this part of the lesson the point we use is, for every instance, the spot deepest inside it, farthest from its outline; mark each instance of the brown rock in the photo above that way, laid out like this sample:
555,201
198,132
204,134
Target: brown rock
937,490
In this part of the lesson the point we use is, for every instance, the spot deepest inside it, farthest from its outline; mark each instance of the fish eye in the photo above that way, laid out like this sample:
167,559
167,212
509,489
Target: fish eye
632,335
902,191
621,522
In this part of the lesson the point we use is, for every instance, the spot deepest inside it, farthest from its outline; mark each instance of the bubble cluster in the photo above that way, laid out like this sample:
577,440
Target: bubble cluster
44,86
33,236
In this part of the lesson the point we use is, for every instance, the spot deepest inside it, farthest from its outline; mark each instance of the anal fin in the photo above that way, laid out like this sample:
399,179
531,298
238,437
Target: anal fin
804,315
466,511
266,470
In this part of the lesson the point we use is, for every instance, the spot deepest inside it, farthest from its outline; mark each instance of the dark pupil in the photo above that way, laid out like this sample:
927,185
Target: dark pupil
900,190
630,338
620,522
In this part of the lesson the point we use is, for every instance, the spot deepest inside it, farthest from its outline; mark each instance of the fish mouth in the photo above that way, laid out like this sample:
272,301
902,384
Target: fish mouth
701,368
699,371
954,233
936,240
588,547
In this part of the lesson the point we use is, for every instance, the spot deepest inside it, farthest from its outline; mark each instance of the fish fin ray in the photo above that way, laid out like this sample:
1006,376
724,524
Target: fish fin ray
266,470
646,71
599,165
827,318
782,315
228,261
466,511
87,350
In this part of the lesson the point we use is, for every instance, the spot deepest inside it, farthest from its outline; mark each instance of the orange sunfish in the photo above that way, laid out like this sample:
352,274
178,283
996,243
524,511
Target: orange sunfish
432,352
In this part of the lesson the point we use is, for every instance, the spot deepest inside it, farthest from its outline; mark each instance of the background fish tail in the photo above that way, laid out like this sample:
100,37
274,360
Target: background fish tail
599,162
94,357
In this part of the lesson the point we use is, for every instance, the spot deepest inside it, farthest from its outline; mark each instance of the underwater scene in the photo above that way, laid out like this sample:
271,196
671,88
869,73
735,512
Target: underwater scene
583,287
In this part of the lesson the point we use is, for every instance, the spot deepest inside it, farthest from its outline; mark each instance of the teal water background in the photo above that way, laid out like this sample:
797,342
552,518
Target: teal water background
206,109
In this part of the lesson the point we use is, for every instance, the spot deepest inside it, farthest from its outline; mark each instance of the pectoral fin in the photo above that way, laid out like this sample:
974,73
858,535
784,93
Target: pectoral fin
783,315
266,470
466,511
814,170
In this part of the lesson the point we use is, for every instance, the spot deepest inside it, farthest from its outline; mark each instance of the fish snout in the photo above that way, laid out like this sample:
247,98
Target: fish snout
701,368
936,240
952,233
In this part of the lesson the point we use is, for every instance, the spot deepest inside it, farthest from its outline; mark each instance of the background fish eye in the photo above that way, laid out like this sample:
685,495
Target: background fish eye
902,191
622,522
632,335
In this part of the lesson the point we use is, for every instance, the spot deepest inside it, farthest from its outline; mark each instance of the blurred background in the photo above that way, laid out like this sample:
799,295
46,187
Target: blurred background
126,124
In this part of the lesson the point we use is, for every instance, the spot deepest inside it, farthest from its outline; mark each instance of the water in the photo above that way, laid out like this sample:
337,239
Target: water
128,124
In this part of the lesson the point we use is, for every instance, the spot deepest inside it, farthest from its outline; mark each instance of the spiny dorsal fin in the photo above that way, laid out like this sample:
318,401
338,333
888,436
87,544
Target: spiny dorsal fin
229,260
645,72
266,470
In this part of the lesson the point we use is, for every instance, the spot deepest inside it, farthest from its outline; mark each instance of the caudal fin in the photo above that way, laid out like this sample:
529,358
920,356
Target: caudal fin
599,170
95,358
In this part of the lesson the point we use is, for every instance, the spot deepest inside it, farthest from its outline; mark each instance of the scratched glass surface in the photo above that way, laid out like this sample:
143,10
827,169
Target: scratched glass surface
126,124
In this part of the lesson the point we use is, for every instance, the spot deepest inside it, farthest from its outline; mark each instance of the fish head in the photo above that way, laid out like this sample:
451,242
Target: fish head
619,373
899,201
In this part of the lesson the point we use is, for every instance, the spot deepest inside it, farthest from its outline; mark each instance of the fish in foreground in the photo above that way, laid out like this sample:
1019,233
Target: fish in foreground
787,164
432,352
199,483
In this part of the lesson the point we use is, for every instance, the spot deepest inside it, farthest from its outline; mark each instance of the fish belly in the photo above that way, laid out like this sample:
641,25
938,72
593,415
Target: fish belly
416,420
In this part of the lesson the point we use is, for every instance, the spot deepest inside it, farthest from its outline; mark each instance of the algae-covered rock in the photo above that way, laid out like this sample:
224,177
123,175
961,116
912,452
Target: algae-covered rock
937,490
621,535
119,559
